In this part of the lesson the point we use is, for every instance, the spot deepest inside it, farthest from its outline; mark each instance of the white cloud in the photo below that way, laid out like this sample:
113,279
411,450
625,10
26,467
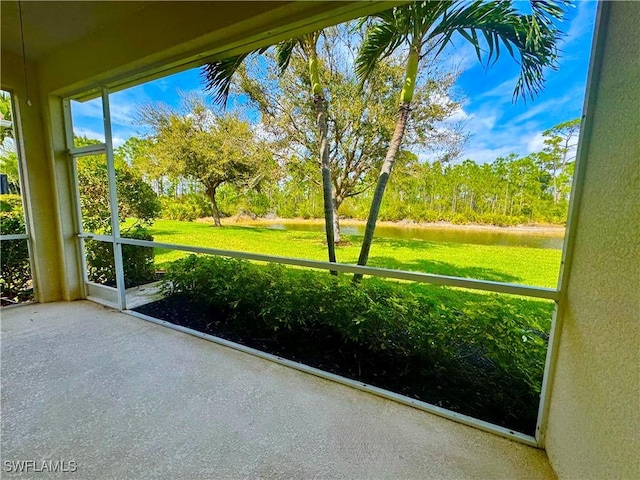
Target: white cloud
459,115
535,143
581,23
542,108
503,91
91,108
88,118
458,56
87,132
92,134
122,113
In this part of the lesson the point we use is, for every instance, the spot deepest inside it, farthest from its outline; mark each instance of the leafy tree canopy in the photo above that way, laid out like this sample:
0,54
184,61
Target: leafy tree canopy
196,143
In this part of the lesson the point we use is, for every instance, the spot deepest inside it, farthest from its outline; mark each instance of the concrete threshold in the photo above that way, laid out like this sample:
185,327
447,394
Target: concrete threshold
143,294
125,398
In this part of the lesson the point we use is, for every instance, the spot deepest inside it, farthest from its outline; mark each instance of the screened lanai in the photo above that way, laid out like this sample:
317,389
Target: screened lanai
590,372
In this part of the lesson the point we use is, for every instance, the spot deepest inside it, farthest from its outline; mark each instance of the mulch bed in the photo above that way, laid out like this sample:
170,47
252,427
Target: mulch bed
473,393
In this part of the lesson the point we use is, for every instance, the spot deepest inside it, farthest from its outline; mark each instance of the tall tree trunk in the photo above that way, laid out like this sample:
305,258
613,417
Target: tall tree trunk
555,186
385,171
327,190
336,220
406,96
214,206
321,118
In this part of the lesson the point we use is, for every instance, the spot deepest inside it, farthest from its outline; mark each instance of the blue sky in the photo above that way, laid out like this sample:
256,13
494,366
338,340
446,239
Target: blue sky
496,125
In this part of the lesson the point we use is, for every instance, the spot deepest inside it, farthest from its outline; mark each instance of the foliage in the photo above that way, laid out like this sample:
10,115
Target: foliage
419,27
451,330
15,278
8,155
9,167
509,191
5,114
185,207
11,203
136,200
219,75
558,156
138,262
359,121
213,150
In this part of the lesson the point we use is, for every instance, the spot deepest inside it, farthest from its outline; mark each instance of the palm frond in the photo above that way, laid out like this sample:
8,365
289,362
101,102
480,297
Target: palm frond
218,75
392,28
529,39
284,51
381,40
490,26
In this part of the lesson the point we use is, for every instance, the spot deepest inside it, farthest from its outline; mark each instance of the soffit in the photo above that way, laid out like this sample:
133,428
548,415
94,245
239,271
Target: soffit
49,26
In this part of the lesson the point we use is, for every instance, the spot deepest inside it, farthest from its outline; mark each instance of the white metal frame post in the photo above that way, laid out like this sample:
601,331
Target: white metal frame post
90,290
68,125
24,186
113,201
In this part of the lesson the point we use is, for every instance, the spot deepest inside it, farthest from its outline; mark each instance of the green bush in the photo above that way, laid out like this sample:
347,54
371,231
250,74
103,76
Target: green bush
12,203
15,270
450,328
138,262
185,208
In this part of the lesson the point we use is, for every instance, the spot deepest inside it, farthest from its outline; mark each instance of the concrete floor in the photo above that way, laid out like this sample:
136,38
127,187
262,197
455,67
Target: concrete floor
143,294
125,398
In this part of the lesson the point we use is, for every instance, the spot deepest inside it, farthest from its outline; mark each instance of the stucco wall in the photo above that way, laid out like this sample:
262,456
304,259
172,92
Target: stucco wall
39,190
594,422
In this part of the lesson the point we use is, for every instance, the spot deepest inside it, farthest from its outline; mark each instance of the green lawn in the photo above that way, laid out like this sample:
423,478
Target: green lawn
531,266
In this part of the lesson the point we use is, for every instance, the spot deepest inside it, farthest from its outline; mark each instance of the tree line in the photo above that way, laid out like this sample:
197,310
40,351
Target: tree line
508,191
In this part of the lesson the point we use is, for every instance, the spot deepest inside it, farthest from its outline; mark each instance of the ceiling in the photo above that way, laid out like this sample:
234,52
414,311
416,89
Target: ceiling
82,46
49,26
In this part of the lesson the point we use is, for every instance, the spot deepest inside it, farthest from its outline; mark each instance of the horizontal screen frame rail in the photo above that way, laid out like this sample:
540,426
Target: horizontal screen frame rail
87,150
449,281
15,236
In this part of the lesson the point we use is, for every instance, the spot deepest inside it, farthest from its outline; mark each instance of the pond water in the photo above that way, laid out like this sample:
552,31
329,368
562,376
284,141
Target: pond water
478,236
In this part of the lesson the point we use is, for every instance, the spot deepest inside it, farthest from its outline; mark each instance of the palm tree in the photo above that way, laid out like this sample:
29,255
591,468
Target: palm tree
426,27
219,74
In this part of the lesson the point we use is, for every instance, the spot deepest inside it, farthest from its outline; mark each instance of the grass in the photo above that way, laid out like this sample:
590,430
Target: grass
524,265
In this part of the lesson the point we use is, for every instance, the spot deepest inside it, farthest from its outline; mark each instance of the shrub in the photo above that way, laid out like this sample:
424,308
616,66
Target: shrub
12,203
138,262
136,199
452,329
15,278
185,208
